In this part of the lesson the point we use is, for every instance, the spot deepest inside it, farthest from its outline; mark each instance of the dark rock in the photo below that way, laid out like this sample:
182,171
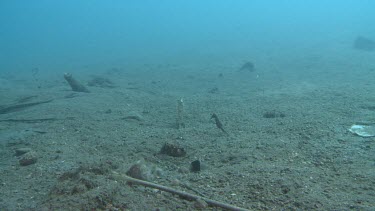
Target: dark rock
247,66
28,158
364,44
143,171
135,171
195,166
172,150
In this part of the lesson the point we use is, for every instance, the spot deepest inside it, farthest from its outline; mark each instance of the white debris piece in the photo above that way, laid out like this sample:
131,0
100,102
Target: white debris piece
363,130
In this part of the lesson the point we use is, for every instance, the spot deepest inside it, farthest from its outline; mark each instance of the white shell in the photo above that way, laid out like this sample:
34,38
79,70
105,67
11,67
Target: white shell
363,130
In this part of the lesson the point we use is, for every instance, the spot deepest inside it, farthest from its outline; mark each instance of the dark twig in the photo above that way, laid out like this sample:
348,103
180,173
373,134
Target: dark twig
19,107
177,192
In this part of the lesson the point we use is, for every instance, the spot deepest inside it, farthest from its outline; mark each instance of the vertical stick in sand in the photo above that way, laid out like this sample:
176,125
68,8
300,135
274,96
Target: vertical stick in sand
180,114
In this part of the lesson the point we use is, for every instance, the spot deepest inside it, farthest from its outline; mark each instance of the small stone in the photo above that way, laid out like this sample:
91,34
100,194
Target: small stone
248,66
141,170
195,166
200,204
21,151
172,150
28,158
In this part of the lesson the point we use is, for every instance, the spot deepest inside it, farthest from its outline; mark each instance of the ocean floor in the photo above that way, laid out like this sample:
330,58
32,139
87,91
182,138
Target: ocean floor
288,146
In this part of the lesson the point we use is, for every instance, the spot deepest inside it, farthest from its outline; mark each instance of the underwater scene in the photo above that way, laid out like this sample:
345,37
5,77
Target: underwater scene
187,105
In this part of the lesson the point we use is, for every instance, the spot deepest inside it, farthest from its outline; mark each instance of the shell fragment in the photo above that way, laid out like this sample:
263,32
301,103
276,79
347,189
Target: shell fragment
363,130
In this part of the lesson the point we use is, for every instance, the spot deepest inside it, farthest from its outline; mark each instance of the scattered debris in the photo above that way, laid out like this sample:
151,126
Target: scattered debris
364,44
19,107
172,150
363,130
74,84
247,66
273,114
218,123
99,81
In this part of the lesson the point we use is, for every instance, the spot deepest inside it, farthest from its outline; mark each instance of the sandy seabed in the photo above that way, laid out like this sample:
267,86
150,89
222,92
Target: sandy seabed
304,159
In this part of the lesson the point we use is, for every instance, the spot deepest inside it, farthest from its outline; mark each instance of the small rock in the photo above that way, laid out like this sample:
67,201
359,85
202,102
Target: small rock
195,166
247,66
28,158
21,151
200,204
141,170
172,150
364,44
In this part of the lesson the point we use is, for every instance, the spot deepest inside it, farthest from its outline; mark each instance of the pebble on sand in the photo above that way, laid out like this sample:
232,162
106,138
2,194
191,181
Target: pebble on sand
28,158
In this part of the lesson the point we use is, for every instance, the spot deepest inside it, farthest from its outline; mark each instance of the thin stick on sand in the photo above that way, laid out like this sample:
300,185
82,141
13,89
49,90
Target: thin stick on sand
177,192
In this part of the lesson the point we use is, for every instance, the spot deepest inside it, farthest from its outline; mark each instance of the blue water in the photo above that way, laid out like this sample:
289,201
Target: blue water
67,34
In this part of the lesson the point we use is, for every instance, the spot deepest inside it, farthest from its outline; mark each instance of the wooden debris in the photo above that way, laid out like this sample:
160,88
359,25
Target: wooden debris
28,120
19,107
182,194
